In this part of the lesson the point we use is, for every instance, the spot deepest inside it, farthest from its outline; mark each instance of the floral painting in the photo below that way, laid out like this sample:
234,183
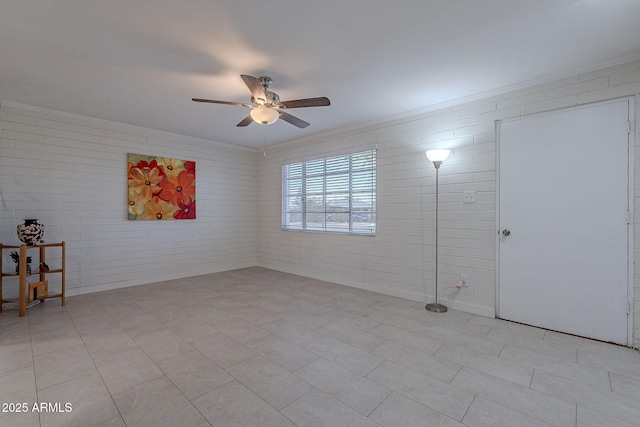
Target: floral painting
161,188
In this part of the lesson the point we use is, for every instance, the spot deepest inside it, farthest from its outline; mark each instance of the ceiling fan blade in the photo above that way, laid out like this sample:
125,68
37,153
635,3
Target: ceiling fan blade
293,120
322,101
257,91
213,101
245,122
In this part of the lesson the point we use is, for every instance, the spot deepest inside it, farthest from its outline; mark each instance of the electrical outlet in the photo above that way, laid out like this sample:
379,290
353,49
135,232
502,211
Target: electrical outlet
464,280
468,197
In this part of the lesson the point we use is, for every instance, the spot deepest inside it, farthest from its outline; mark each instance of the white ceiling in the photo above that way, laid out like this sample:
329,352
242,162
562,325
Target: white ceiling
141,61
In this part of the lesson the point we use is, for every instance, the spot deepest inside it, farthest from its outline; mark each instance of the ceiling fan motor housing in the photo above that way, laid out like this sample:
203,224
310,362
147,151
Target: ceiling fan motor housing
271,101
272,98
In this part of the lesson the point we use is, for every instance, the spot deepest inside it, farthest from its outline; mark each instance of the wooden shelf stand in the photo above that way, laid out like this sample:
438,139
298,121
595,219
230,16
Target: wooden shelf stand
22,274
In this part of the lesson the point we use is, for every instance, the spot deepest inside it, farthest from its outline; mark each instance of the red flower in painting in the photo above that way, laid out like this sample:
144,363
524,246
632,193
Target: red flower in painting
143,164
186,211
180,189
190,167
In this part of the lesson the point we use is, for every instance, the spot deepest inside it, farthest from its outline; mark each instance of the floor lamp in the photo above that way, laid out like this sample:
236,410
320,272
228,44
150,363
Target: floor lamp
437,157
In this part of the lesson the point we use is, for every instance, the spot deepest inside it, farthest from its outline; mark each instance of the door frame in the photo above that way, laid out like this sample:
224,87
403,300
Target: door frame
630,202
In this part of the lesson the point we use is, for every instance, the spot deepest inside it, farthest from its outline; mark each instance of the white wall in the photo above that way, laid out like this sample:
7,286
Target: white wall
70,172
399,261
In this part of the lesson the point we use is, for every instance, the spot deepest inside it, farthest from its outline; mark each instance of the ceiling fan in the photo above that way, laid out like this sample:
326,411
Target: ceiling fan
266,106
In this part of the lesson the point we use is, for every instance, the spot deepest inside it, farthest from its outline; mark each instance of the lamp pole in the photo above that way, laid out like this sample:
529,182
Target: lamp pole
437,157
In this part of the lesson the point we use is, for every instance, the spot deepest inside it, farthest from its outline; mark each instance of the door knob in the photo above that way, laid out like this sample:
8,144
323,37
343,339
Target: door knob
506,232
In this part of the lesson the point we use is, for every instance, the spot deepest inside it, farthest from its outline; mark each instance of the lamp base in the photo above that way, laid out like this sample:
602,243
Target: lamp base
436,308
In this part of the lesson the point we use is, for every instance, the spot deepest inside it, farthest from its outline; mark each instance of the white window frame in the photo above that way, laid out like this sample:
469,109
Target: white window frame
357,181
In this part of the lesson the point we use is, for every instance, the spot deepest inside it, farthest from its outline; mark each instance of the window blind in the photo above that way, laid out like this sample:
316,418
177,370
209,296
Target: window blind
336,194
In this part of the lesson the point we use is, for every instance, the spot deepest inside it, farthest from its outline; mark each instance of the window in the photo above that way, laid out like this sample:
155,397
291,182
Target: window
336,194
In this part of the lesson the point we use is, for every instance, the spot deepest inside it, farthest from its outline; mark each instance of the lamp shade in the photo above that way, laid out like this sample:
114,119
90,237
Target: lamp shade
264,115
438,155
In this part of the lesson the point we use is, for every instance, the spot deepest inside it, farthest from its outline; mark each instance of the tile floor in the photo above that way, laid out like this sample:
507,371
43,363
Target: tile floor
256,347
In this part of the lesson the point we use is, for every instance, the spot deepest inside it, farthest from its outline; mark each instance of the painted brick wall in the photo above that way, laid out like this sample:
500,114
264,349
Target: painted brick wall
70,173
399,261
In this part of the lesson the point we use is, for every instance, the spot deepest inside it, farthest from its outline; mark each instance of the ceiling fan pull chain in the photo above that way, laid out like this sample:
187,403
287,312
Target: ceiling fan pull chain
264,150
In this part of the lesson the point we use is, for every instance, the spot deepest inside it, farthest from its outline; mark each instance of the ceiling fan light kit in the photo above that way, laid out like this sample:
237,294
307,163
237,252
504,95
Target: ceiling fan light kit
266,107
264,115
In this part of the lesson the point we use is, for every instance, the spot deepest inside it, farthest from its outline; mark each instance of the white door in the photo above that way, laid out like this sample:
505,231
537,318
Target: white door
563,221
